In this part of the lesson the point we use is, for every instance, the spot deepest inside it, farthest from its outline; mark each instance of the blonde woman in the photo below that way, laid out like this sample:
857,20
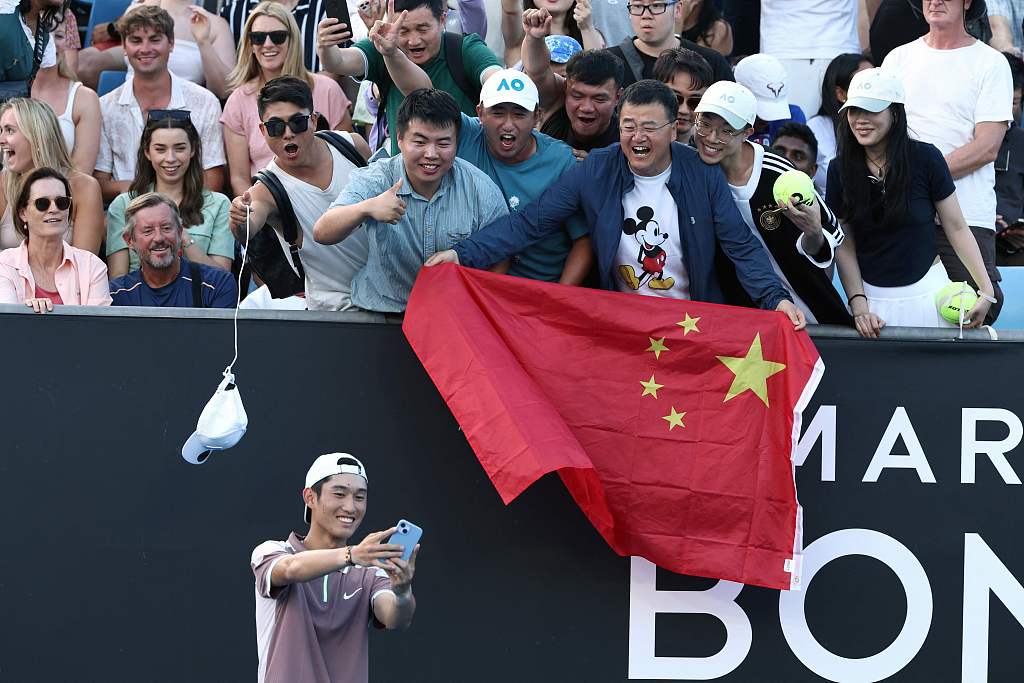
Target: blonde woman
270,46
30,137
79,119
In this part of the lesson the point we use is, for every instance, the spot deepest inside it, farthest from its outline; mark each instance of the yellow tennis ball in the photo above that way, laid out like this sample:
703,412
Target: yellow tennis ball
793,183
953,298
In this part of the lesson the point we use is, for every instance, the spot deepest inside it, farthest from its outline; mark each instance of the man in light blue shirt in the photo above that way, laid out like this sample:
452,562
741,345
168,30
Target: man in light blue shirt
412,205
523,163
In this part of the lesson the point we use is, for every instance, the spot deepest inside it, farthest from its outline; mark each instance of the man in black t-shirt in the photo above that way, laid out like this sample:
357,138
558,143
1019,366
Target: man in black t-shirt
581,105
654,24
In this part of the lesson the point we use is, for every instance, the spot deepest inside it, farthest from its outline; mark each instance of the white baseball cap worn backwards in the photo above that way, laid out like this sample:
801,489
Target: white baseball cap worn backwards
329,464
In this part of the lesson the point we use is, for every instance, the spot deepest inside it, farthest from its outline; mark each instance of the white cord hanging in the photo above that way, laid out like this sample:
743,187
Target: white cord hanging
238,302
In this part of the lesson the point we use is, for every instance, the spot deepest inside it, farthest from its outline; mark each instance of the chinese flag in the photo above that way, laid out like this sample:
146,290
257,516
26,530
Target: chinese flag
672,423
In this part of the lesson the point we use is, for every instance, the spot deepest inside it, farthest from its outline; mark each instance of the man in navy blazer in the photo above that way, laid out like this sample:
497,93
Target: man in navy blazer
658,216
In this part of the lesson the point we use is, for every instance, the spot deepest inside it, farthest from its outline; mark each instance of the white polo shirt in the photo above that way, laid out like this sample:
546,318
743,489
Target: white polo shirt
122,125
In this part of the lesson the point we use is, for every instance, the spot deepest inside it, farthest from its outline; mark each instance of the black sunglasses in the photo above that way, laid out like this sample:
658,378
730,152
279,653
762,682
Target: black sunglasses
690,102
298,124
169,115
260,37
42,204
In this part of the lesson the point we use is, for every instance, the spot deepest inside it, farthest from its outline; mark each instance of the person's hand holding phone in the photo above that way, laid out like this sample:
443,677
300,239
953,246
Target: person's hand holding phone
371,552
401,572
331,32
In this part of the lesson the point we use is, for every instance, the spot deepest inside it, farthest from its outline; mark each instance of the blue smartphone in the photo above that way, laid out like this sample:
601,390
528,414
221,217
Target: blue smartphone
407,536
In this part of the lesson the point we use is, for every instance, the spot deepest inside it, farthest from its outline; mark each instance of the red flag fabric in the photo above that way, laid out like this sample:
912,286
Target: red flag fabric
672,423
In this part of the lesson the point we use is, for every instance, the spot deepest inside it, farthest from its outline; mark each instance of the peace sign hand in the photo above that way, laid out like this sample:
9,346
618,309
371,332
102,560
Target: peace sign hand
385,35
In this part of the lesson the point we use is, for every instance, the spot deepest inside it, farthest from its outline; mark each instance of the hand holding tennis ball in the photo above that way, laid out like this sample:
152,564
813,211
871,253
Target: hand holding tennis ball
793,183
954,299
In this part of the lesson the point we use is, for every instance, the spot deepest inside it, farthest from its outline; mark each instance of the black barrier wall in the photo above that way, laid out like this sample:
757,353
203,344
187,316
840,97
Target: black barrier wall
123,563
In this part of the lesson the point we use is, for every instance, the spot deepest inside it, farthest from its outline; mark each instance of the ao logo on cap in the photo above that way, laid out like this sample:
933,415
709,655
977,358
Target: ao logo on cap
516,84
726,97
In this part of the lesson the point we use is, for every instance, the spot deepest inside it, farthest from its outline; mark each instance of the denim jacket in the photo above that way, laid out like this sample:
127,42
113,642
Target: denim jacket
708,219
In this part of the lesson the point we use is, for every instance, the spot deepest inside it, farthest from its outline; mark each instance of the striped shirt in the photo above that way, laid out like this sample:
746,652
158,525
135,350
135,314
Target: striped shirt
806,276
307,13
466,202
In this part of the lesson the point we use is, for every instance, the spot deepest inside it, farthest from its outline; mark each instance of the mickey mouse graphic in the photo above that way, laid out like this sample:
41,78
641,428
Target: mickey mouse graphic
651,257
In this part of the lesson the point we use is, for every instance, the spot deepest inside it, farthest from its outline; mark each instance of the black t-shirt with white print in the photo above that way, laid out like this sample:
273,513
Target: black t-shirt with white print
808,278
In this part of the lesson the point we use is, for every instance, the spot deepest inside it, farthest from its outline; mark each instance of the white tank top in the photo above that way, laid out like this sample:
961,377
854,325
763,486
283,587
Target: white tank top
67,123
329,268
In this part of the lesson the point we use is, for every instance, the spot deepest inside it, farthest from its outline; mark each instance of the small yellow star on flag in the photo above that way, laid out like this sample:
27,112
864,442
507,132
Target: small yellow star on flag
674,419
689,324
752,372
650,387
657,346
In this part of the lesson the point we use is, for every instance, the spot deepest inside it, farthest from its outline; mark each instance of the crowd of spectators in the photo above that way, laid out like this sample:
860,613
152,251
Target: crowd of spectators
631,146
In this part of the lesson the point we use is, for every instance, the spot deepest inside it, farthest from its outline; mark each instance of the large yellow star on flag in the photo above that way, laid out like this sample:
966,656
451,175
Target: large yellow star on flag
674,419
650,387
752,372
689,324
657,346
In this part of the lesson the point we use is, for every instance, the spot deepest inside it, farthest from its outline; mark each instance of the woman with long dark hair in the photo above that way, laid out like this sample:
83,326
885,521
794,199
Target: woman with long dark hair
834,87
170,162
568,18
887,190
702,22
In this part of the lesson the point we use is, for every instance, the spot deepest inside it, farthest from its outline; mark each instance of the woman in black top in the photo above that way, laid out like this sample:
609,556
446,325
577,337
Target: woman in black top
702,22
887,190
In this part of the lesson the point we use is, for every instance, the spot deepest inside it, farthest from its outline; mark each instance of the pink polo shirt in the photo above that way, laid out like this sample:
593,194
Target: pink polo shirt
81,278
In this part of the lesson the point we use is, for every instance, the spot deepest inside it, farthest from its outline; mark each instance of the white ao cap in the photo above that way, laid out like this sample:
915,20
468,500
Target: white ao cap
765,76
873,90
221,424
732,102
509,85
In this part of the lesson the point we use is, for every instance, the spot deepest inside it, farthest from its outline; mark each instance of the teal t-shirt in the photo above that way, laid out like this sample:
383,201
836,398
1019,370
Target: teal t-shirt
476,58
521,184
213,235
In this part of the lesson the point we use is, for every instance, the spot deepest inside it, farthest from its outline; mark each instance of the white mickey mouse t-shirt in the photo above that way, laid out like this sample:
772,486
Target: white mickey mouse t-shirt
650,256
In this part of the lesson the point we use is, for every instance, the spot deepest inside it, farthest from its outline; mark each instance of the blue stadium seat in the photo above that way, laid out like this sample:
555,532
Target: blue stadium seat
1012,315
103,11
110,80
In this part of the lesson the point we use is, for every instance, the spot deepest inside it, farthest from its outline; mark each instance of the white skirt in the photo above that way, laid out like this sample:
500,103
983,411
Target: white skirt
910,305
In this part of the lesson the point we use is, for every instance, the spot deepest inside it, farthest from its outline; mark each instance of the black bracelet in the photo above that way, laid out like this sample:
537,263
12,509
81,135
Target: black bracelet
849,301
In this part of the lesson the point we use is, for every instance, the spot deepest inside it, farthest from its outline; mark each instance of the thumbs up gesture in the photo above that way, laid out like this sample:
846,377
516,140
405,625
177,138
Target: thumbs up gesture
388,207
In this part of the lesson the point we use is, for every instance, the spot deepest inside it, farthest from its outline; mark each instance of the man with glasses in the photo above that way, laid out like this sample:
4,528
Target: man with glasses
800,240
313,173
147,34
959,97
654,25
689,75
658,215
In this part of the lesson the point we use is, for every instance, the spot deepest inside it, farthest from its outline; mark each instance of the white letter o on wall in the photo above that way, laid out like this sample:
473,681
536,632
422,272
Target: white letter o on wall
915,628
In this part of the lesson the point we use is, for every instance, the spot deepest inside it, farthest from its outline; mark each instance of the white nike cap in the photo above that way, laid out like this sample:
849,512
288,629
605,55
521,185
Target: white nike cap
509,85
221,424
873,90
329,464
731,101
765,76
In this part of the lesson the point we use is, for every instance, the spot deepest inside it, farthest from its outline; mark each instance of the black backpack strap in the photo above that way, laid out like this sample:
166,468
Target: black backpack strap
344,147
197,285
289,225
457,68
632,58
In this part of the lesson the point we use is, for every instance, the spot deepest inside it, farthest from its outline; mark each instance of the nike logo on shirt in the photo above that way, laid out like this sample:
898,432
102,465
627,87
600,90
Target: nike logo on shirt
346,596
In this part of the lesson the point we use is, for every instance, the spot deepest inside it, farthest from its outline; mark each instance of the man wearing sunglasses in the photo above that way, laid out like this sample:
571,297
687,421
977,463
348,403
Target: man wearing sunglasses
801,240
654,26
147,34
412,205
657,215
312,173
689,75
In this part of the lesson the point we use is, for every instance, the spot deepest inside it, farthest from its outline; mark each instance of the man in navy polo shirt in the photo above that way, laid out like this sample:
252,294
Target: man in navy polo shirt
153,230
